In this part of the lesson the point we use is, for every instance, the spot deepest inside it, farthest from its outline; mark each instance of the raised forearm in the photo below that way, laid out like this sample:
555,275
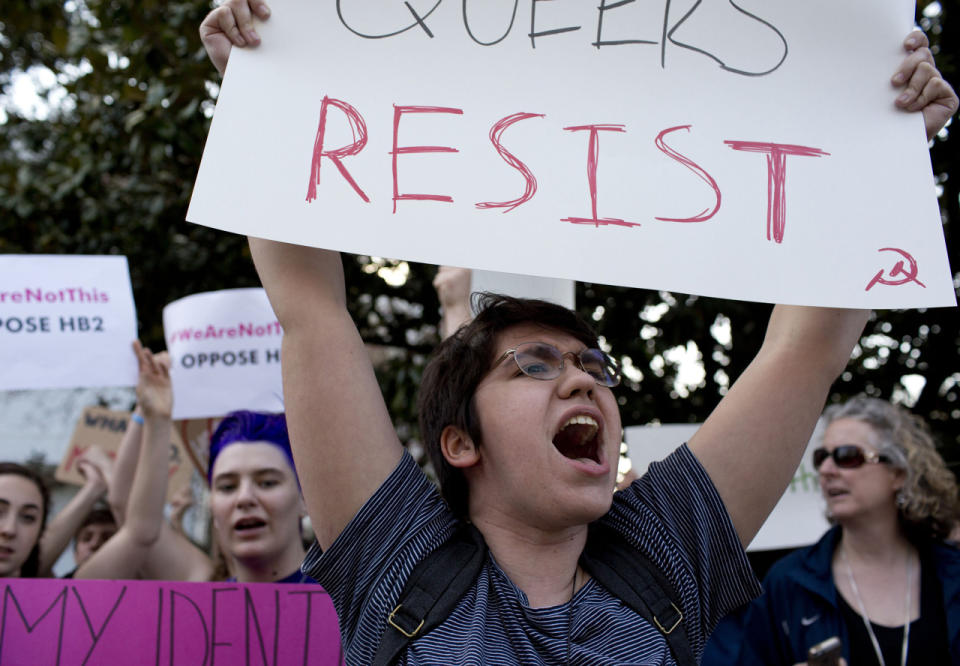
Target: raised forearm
304,284
65,524
124,466
754,439
147,496
821,336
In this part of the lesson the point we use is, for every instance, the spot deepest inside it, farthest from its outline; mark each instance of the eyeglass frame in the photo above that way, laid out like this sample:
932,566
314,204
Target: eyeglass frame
563,356
866,457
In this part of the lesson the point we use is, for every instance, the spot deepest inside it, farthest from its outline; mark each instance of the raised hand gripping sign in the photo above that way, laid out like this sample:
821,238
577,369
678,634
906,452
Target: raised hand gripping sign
66,321
746,149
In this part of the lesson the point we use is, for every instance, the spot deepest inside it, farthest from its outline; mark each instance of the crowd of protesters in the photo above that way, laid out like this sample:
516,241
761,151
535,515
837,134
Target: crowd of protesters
519,417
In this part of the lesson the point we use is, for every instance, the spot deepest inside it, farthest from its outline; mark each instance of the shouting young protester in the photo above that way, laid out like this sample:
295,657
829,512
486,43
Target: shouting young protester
519,414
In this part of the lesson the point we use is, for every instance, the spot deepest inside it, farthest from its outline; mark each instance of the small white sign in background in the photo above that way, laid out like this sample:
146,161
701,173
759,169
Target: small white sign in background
66,321
748,150
225,352
561,292
798,518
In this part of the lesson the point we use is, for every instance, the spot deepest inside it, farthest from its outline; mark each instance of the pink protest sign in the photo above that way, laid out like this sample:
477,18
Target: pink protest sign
66,622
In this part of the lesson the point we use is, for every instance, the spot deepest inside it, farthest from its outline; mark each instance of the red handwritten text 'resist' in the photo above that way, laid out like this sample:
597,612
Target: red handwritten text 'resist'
241,330
775,154
64,295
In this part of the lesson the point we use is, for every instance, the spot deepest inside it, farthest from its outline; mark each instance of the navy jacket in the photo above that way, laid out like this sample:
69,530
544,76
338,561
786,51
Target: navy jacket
799,608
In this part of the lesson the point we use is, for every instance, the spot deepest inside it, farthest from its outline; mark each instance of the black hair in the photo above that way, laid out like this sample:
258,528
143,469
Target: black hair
459,364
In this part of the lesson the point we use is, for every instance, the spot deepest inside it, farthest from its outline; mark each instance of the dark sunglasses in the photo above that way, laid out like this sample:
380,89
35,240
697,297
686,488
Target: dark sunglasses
847,456
543,361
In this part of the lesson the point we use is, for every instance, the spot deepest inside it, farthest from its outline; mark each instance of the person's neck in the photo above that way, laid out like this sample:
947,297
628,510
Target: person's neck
877,541
542,563
269,570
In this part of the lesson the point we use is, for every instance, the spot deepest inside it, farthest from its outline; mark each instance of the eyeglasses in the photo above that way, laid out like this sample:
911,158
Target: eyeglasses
543,361
847,456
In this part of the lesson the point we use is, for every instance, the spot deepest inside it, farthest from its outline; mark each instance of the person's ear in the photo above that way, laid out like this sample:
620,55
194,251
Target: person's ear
458,447
899,479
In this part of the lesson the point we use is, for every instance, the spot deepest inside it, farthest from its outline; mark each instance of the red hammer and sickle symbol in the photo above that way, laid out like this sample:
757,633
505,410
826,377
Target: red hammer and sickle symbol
909,275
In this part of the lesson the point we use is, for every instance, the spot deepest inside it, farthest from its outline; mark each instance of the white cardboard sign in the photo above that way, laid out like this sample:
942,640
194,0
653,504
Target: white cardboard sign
798,519
66,321
225,352
747,150
561,292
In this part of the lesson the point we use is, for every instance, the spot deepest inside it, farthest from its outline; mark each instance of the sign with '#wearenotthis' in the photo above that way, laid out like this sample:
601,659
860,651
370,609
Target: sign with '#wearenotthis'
74,622
66,321
749,150
225,353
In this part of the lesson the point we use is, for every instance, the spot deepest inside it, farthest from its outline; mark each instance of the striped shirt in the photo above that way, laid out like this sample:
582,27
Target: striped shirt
673,514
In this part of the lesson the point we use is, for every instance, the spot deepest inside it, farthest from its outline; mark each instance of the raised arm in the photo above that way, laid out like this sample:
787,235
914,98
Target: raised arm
94,465
123,555
344,444
124,466
753,441
453,291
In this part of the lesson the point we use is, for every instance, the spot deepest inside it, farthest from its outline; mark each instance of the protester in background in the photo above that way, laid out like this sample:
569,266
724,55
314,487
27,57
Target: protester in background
173,556
882,579
124,554
24,500
255,499
95,467
95,530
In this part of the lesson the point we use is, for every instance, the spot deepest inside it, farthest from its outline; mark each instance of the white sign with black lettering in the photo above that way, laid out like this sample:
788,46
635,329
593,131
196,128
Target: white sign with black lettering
66,321
225,349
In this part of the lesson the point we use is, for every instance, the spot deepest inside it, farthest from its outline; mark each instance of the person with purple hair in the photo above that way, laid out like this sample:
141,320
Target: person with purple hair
255,496
255,499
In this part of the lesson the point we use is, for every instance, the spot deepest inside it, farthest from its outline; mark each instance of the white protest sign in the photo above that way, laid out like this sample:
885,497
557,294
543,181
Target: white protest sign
561,292
225,352
750,151
798,518
66,321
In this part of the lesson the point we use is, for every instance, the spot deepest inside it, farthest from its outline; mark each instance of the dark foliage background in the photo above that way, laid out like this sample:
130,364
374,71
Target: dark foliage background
110,170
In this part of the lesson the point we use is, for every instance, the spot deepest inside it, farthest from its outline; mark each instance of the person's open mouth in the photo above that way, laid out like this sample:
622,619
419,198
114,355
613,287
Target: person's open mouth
579,439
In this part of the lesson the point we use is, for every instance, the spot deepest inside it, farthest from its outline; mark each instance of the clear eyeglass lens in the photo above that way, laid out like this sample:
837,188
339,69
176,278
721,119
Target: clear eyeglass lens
542,361
600,366
538,360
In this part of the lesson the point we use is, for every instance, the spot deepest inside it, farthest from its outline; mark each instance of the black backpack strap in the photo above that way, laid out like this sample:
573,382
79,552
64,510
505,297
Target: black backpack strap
432,591
634,579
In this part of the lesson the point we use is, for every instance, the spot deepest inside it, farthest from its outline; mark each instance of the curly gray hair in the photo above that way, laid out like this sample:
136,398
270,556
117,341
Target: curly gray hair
928,502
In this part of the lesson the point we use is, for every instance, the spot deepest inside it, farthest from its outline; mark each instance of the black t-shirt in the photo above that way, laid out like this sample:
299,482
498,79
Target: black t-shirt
928,633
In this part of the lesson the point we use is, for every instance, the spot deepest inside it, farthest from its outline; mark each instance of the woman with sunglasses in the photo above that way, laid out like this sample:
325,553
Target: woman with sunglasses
883,579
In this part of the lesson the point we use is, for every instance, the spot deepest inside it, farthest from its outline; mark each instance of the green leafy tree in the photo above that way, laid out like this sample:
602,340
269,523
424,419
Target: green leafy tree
110,166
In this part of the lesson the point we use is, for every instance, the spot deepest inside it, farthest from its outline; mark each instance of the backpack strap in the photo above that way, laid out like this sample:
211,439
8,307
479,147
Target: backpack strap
439,581
635,580
432,591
